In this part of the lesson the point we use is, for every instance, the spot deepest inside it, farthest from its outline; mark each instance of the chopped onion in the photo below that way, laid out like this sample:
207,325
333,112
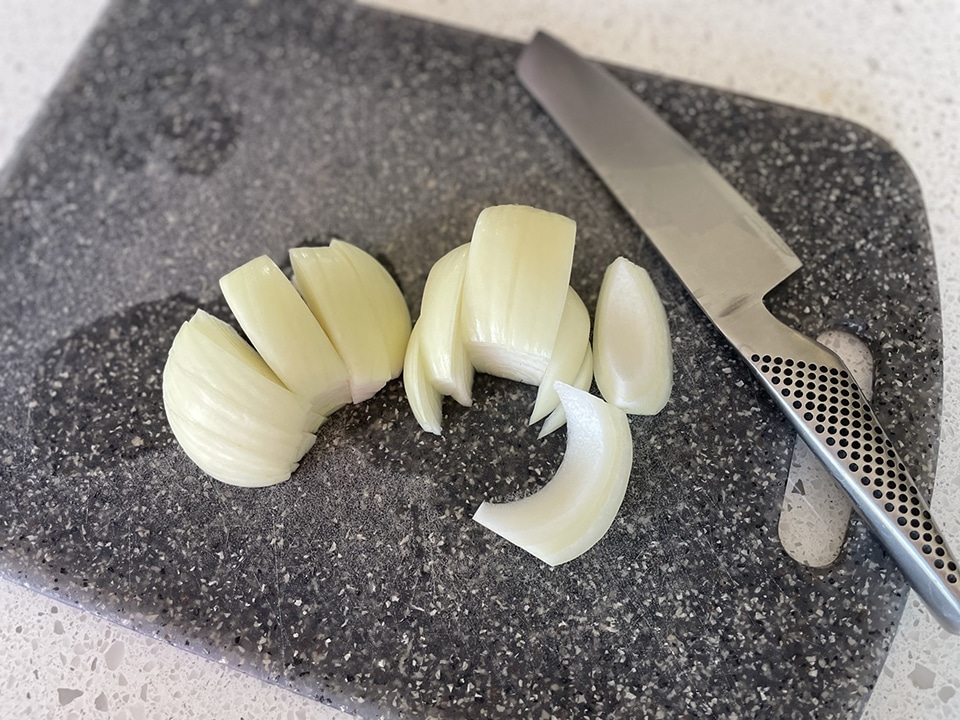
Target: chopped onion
631,341
575,509
573,339
286,334
229,412
442,348
514,290
360,308
582,381
425,400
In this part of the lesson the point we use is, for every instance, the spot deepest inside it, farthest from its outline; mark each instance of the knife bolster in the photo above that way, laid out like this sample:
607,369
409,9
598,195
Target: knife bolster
823,402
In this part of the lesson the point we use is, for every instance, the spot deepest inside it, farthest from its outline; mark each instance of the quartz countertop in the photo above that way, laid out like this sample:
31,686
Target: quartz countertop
892,67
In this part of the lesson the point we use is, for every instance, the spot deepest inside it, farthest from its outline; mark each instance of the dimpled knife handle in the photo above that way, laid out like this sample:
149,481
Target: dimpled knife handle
817,392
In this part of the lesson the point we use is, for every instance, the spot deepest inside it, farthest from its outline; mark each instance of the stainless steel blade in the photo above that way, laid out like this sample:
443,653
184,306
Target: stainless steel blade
729,258
723,250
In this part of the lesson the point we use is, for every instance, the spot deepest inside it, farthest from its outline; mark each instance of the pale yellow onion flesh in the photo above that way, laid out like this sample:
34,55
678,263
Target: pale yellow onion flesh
584,378
215,352
286,334
392,315
633,362
573,339
360,308
227,409
442,349
424,399
573,511
514,290
201,401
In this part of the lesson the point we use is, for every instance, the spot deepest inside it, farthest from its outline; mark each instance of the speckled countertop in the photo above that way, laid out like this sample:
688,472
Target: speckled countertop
892,67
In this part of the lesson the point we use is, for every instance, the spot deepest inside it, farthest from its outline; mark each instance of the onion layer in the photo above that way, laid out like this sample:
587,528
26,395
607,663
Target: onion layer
442,348
631,341
514,289
582,381
360,308
229,412
425,400
286,334
576,508
573,340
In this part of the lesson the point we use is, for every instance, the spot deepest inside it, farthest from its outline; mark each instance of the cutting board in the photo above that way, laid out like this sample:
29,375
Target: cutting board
190,137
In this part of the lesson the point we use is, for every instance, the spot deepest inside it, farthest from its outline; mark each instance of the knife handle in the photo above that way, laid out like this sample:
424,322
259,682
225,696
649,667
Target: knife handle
819,395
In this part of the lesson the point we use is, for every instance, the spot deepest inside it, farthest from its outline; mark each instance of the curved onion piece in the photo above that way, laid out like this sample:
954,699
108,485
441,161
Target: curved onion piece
573,339
286,334
425,400
631,341
576,508
442,349
514,290
391,312
558,418
198,401
360,308
227,409
217,354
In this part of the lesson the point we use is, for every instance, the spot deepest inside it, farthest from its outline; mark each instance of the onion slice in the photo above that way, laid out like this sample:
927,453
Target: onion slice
360,308
631,341
582,381
424,399
515,288
286,334
229,411
569,348
575,509
441,346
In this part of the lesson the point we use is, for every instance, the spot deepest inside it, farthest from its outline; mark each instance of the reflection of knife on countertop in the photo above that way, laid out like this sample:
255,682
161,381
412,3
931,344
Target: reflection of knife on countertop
729,258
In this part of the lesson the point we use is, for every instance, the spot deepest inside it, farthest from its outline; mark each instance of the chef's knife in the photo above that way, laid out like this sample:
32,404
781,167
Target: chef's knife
729,258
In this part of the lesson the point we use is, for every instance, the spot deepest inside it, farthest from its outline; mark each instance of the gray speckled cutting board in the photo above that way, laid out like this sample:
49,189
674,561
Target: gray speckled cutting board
190,137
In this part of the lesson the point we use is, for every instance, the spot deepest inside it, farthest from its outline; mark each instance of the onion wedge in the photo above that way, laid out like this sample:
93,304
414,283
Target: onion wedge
360,308
286,334
514,290
229,411
575,509
569,348
442,348
631,341
424,399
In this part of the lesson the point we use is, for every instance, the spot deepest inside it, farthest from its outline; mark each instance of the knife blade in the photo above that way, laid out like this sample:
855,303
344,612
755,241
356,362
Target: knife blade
728,257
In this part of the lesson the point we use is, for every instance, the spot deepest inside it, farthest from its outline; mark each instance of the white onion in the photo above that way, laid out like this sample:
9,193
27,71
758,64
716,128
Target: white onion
572,341
286,334
575,509
441,345
360,308
582,381
633,362
514,289
424,399
229,412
